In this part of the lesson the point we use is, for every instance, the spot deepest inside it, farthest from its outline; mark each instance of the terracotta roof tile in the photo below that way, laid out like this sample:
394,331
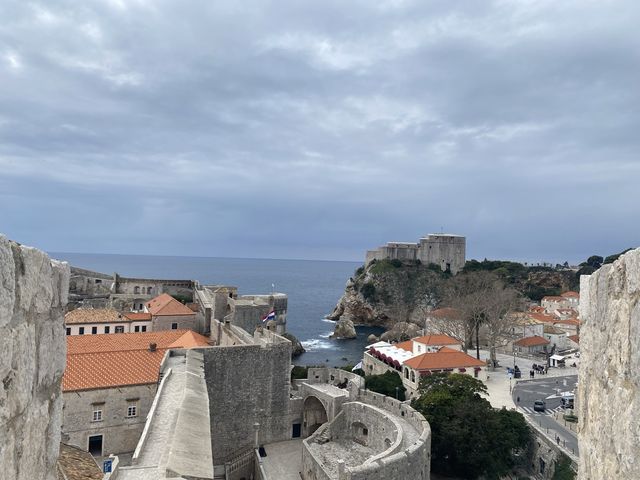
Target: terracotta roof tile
570,294
437,340
446,312
408,345
568,321
541,317
76,464
93,315
104,361
553,298
165,304
138,316
531,341
444,358
574,338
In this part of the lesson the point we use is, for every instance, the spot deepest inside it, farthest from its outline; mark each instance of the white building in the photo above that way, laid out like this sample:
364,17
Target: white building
94,321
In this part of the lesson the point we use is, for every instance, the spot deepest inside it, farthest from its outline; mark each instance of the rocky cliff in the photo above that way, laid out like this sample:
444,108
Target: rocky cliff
387,292
33,294
609,386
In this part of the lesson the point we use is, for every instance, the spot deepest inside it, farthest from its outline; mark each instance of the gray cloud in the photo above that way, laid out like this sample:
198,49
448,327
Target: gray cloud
317,130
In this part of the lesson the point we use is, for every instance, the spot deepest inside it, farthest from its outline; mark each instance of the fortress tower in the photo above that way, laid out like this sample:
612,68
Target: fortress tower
446,250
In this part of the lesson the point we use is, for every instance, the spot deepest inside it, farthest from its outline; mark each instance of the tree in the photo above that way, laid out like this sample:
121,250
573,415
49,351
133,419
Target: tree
469,438
483,299
389,383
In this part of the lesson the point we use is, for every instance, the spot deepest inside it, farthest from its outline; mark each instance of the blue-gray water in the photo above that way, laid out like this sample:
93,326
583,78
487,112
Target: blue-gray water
314,288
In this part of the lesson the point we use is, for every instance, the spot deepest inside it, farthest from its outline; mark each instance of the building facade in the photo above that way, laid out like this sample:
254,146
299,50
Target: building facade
445,250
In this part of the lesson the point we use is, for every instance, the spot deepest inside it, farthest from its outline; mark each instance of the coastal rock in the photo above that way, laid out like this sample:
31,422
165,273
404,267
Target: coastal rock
344,329
33,294
609,387
297,349
372,339
401,332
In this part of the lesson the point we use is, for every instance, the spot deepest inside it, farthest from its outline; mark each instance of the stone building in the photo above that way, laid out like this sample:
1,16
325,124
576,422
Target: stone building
445,250
531,345
609,372
167,313
33,296
93,321
109,385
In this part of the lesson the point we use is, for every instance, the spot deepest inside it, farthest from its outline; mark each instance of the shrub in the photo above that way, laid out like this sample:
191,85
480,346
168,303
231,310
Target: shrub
396,263
386,384
298,372
368,291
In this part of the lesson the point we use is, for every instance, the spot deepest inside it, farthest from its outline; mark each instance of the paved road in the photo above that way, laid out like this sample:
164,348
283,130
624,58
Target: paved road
548,389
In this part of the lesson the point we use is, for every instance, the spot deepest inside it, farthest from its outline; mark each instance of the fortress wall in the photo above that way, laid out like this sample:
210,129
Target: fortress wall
33,295
609,388
443,249
248,384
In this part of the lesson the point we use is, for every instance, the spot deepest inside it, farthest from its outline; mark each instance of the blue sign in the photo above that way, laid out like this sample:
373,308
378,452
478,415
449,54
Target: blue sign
106,466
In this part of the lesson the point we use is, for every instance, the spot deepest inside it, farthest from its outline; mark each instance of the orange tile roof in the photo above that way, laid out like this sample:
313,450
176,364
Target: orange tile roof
165,304
118,342
119,359
541,317
76,464
190,340
93,315
437,340
408,345
444,358
533,341
537,309
570,294
553,298
568,321
575,338
137,316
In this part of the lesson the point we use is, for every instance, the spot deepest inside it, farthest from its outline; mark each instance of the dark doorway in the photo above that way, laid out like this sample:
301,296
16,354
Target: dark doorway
95,445
297,430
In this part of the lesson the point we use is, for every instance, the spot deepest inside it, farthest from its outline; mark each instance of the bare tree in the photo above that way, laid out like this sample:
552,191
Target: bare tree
483,299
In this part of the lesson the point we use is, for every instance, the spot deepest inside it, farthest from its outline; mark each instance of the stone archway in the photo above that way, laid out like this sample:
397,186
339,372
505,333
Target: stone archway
314,415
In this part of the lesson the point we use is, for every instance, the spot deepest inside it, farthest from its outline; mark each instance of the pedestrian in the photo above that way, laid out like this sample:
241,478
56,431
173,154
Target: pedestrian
558,439
518,399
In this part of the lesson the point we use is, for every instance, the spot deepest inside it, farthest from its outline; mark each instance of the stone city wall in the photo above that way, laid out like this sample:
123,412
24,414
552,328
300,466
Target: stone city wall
33,296
247,384
609,387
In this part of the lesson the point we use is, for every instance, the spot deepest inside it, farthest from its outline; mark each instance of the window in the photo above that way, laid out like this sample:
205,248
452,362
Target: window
136,328
68,330
107,329
144,328
413,377
136,289
97,416
119,328
98,280
81,331
149,290
94,330
132,409
174,326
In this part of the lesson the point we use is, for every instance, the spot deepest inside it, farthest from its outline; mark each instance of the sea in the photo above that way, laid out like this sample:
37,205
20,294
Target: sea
314,287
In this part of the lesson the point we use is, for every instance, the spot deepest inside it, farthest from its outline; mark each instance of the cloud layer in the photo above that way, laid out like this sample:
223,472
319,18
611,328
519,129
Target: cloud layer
319,129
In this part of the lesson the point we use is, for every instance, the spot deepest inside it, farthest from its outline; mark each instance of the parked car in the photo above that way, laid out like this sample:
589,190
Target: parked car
539,406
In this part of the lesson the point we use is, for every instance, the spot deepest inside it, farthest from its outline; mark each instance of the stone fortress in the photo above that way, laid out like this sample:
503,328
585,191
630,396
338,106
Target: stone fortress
445,250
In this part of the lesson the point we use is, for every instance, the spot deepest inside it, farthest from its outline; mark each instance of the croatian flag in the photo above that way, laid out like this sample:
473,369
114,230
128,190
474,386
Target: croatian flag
269,316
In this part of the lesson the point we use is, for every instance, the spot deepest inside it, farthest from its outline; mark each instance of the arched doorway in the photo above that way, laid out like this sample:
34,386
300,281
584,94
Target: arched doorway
314,415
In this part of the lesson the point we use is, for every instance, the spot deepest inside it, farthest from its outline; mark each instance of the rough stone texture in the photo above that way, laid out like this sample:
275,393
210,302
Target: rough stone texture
609,388
33,294
400,332
344,329
296,347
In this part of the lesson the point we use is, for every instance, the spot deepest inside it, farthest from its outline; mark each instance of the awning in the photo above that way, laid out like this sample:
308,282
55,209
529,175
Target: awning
556,357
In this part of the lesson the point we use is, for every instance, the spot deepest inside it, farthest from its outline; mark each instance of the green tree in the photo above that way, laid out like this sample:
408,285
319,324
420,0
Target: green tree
387,384
470,439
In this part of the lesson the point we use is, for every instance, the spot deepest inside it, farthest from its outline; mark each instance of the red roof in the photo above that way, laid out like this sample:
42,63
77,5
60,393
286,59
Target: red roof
568,321
541,317
553,298
408,345
119,359
165,304
443,358
531,341
138,316
570,294
574,338
437,340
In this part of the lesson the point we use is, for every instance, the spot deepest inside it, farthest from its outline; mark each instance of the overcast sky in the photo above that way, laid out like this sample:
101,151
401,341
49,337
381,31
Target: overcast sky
297,129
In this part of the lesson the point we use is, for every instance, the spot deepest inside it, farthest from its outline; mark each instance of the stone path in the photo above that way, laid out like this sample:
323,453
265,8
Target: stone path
152,460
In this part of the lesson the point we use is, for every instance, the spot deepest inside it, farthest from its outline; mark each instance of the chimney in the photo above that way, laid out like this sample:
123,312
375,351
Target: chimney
152,347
